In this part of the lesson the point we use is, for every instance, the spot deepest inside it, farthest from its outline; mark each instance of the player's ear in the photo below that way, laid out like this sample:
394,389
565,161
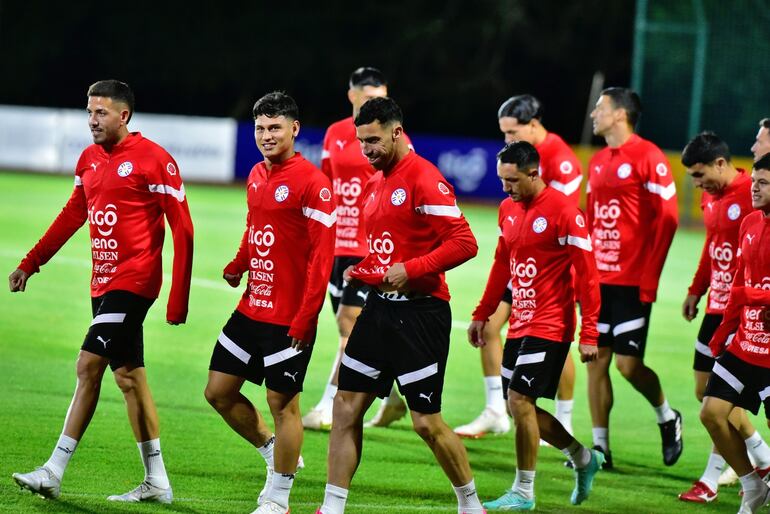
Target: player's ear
295,128
398,131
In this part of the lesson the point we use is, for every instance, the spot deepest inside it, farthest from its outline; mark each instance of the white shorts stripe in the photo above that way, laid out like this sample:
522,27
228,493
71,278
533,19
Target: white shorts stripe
111,317
452,211
324,219
359,366
229,345
275,358
703,348
334,290
628,326
728,377
764,393
530,358
420,374
603,328
507,373
168,190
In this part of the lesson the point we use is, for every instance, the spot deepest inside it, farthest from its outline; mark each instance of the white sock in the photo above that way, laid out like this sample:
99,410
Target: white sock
751,483
327,400
393,398
494,392
154,469
577,453
758,450
280,488
564,413
524,483
601,438
266,450
664,412
467,497
334,500
61,455
714,468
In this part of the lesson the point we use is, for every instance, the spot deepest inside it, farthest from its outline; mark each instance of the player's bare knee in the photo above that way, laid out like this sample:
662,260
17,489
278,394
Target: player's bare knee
346,318
710,418
426,428
126,381
282,405
519,405
629,367
216,397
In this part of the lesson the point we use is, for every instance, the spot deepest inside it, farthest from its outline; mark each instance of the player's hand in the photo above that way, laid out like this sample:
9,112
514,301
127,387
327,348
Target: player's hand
17,281
232,279
396,276
299,344
588,352
347,277
476,333
690,307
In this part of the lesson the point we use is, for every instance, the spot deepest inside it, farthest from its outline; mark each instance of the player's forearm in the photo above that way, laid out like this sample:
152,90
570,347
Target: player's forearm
182,230
450,254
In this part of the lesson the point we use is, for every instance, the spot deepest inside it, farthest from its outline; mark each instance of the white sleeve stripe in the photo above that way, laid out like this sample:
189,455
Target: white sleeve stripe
452,211
568,188
581,242
666,192
325,154
78,181
168,190
325,219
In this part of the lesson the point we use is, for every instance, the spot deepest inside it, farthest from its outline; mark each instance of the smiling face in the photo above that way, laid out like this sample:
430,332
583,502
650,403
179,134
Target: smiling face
378,143
709,177
107,119
275,137
760,190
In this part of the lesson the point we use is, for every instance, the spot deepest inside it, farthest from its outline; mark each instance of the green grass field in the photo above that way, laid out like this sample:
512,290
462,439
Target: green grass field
213,470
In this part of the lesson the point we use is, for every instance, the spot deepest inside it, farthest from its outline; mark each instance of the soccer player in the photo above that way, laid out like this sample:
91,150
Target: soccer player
761,145
741,374
124,185
415,232
633,216
520,118
725,202
349,172
286,251
544,236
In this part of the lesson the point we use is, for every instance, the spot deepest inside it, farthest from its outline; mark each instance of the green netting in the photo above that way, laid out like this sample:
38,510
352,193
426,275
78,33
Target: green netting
733,70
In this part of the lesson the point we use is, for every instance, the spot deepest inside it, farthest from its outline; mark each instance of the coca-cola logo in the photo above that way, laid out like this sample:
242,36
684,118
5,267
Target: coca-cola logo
382,246
103,220
263,239
105,268
607,214
262,289
348,191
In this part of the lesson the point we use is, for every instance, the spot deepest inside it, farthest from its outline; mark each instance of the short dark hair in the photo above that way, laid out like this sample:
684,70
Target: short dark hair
763,163
116,90
520,153
765,123
624,98
524,108
382,109
367,76
276,104
705,148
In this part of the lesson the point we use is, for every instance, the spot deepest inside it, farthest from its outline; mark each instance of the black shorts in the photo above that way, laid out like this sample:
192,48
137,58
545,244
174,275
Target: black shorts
704,360
341,292
623,320
260,352
507,295
403,340
532,366
740,383
116,330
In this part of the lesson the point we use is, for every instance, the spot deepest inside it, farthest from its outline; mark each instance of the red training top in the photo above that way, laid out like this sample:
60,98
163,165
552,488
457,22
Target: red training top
539,244
287,247
412,217
123,194
632,212
722,215
560,167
